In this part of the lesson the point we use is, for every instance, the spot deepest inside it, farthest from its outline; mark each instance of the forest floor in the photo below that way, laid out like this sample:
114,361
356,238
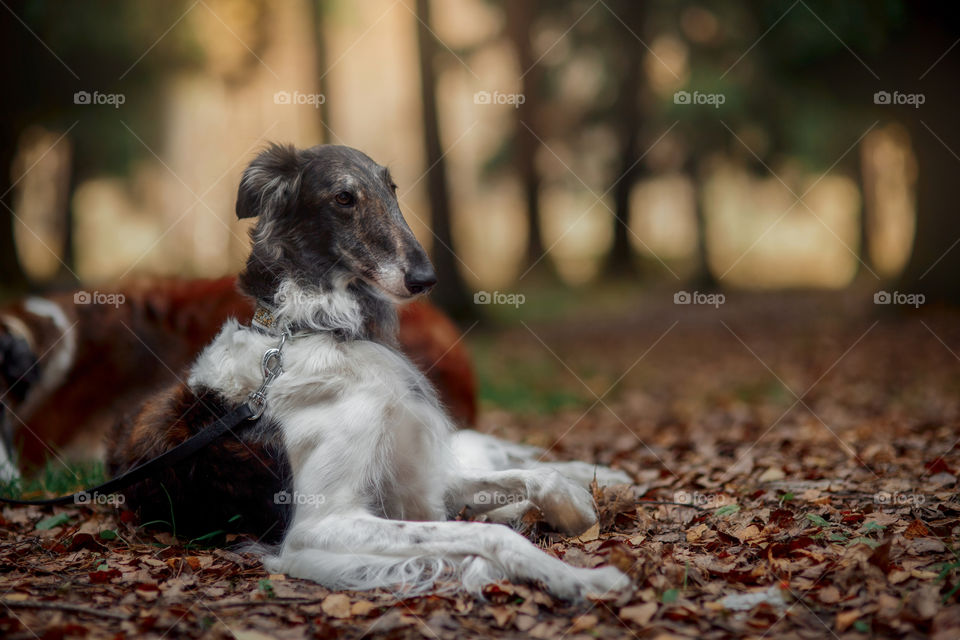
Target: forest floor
795,460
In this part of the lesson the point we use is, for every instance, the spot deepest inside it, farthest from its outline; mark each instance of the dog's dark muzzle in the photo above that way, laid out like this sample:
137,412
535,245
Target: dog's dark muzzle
420,279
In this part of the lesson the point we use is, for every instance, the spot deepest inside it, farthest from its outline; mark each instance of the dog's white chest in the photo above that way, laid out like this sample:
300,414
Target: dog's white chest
357,418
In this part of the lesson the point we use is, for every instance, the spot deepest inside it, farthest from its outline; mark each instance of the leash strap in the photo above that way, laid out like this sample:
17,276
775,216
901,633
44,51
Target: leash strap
179,453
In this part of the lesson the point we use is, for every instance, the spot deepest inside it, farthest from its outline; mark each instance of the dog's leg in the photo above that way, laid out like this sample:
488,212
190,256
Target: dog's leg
475,450
505,496
364,552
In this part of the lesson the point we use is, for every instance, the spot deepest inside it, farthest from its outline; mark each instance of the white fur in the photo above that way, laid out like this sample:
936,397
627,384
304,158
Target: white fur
379,470
19,328
59,361
8,467
9,470
317,309
61,356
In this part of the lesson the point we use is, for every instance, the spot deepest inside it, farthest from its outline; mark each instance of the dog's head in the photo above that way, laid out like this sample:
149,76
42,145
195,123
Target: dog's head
328,214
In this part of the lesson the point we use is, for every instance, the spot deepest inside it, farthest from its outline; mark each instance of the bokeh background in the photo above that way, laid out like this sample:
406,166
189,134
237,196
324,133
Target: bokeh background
552,146
713,243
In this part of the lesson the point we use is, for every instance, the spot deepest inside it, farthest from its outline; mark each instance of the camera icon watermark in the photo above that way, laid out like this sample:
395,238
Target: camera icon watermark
712,99
97,98
312,99
88,498
95,297
897,98
704,500
497,499
896,297
898,499
696,297
496,297
297,498
486,97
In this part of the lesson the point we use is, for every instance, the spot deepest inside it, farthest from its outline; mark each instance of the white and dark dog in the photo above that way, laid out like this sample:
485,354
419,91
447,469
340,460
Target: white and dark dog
353,467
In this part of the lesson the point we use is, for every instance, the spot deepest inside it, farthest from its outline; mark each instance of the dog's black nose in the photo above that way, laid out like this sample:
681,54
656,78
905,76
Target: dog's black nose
420,279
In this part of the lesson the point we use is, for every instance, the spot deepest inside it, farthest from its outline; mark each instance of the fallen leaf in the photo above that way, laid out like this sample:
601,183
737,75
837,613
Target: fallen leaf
917,529
53,521
773,474
694,534
747,533
336,605
829,595
639,614
503,615
361,608
590,534
584,622
847,618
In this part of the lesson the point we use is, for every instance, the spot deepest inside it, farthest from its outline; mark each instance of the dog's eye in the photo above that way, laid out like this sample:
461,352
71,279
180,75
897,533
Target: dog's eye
394,187
344,198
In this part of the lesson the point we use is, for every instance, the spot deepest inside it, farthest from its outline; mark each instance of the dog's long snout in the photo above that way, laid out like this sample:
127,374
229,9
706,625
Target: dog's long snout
420,278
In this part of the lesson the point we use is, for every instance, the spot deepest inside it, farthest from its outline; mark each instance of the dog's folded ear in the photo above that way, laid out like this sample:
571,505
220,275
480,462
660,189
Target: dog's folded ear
271,183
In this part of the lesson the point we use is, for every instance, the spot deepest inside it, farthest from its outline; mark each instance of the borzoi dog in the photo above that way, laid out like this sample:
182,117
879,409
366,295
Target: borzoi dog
353,465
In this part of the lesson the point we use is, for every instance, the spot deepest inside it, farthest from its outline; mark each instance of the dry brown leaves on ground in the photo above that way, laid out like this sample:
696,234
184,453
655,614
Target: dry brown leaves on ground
796,477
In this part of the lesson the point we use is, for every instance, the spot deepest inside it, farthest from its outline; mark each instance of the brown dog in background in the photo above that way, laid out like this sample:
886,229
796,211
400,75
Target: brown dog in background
71,364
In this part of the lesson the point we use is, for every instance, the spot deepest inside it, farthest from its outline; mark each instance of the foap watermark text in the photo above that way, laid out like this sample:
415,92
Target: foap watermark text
95,297
497,499
286,497
704,500
898,98
497,297
898,499
696,297
712,99
112,499
296,97
95,97
486,97
896,297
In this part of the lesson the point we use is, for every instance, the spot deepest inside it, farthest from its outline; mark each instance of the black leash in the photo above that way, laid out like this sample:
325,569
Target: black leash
168,458
272,365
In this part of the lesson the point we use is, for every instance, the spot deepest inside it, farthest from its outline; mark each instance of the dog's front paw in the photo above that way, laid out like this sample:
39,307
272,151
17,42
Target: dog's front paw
570,514
566,507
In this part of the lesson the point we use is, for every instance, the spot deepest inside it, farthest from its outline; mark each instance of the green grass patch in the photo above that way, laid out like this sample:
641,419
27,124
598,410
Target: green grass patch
524,384
55,479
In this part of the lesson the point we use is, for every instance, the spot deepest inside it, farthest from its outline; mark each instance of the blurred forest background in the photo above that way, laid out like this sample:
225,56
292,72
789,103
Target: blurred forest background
694,144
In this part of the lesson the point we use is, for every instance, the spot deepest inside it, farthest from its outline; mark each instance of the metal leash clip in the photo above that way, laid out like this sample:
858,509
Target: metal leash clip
272,365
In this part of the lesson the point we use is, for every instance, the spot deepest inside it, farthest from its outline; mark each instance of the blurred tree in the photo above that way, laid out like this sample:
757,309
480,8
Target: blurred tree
450,292
627,118
528,128
55,50
318,8
811,86
793,83
923,59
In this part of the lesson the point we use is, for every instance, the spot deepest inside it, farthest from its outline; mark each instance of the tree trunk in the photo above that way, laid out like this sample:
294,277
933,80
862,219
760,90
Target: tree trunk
14,280
12,277
320,59
703,278
520,16
865,266
450,292
935,135
935,261
66,274
620,261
